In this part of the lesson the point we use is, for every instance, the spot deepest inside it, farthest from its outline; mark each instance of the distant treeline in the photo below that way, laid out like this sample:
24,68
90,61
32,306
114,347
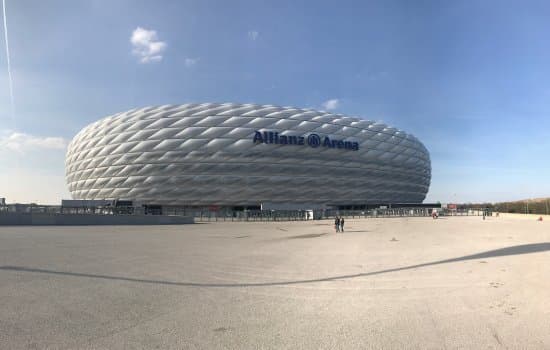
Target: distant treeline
538,206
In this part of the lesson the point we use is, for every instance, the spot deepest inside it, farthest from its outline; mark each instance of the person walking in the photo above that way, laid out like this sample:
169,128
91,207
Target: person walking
342,224
337,224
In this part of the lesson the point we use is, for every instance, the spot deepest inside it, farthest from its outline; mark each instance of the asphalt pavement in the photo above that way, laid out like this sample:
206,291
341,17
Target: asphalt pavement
392,283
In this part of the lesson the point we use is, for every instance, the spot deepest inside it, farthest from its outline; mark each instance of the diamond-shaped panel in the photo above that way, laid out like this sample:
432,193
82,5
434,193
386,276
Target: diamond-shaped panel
203,154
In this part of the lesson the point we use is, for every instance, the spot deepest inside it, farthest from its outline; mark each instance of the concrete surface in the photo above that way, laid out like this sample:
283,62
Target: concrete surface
397,283
533,217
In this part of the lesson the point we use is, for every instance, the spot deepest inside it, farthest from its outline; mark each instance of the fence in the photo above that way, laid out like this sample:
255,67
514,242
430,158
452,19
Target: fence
205,215
299,215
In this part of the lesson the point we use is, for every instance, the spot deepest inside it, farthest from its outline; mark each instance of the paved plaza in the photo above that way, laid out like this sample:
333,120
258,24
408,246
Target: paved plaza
392,283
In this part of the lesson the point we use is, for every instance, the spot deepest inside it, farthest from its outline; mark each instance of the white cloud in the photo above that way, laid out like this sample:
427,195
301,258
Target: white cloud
253,34
146,45
12,141
331,104
33,166
189,62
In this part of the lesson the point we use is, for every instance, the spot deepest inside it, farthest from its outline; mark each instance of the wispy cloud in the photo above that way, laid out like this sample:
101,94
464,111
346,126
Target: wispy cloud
331,104
33,166
146,45
253,34
189,62
13,141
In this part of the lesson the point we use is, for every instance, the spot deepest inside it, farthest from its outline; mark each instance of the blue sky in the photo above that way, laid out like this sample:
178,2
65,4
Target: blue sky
471,79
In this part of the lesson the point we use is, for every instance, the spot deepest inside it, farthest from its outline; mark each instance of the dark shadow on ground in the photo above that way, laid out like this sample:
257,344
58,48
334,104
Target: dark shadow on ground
309,235
515,250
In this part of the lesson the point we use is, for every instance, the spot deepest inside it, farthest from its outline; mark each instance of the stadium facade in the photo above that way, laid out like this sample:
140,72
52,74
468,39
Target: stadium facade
238,155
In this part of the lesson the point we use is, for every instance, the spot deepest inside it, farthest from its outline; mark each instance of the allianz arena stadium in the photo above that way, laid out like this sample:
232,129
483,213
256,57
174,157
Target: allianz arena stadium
229,155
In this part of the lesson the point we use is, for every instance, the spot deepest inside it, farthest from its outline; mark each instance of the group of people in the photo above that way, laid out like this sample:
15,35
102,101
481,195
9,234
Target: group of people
339,224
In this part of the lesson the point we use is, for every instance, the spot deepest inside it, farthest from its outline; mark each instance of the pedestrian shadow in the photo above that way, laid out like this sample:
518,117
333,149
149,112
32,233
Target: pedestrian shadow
309,235
508,251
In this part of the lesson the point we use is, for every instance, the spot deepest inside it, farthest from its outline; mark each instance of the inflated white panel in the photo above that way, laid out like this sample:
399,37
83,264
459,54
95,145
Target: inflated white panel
204,154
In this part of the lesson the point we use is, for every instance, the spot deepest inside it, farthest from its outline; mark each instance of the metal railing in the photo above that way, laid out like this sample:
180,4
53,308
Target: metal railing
248,215
210,216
